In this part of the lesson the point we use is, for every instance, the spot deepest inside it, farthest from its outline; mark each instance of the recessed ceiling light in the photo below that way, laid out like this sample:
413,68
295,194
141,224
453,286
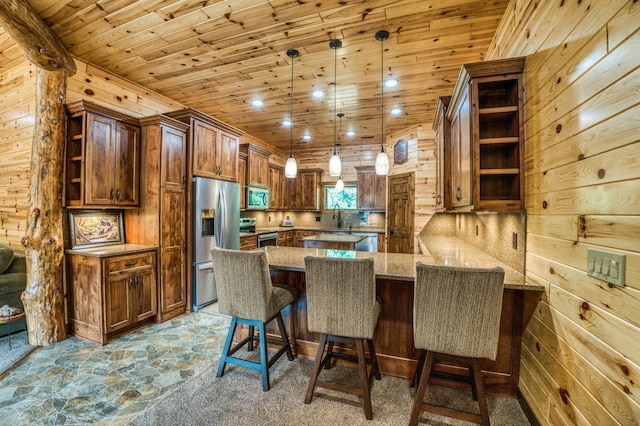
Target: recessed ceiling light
391,82
257,102
396,110
351,133
287,122
317,93
306,137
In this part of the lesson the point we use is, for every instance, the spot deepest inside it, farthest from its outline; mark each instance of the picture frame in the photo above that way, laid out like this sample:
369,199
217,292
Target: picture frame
96,228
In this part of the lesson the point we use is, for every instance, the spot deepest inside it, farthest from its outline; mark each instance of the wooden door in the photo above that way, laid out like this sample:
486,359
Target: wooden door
173,282
275,188
173,162
308,184
99,169
380,193
227,156
242,180
400,238
117,302
461,154
143,295
127,165
205,138
366,188
258,169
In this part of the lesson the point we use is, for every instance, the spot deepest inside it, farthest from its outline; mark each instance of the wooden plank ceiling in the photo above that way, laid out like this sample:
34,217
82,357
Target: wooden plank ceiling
216,56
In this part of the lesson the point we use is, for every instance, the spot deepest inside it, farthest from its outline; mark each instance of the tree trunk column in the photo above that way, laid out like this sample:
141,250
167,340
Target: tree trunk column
43,243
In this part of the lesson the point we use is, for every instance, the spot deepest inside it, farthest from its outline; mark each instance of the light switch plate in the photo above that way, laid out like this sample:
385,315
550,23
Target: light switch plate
606,266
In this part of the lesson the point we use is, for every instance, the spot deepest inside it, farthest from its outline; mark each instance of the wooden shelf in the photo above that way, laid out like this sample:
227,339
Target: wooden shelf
77,137
513,171
76,158
498,110
496,141
75,180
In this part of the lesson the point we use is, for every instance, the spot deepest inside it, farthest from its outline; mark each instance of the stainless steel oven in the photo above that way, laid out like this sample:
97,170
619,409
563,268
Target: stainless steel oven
268,239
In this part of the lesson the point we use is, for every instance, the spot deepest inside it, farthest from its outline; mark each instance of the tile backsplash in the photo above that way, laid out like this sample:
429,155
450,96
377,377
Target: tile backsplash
493,233
327,219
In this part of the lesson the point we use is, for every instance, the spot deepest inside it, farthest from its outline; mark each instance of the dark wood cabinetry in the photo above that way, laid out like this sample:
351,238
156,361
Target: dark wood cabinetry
285,238
102,158
257,165
161,218
242,179
486,144
110,295
303,192
277,183
442,126
214,145
299,235
250,242
372,189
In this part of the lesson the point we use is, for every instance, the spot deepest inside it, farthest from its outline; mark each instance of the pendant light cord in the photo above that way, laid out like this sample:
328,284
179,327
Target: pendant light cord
382,95
291,111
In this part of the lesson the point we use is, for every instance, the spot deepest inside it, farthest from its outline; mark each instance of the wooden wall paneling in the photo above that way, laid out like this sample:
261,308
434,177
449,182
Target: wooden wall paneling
534,394
557,226
618,232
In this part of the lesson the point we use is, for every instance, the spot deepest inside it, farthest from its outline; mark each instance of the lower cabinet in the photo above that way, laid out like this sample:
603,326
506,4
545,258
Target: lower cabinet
249,242
110,295
285,238
299,235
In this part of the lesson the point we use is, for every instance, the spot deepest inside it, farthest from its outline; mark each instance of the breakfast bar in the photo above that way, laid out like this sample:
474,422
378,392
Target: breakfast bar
395,275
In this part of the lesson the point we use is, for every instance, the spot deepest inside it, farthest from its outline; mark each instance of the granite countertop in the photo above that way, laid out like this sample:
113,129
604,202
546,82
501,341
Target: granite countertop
113,250
401,267
359,229
336,238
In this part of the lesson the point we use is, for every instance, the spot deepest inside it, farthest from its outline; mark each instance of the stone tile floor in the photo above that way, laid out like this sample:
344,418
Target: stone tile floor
75,382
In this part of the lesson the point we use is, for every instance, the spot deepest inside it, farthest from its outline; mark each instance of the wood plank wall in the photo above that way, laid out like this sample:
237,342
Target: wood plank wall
581,350
17,118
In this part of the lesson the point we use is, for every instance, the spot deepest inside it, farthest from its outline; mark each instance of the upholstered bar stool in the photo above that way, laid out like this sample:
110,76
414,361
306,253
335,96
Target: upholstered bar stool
342,306
456,313
246,294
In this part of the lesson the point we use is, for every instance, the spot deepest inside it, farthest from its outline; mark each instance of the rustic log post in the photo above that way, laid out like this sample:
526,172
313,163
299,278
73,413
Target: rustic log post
43,298
43,243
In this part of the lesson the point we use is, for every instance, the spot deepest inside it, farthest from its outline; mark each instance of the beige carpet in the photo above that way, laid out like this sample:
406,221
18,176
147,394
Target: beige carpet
237,399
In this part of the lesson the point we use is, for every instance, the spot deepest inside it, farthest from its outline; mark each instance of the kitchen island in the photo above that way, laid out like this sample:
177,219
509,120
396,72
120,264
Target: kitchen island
395,274
333,241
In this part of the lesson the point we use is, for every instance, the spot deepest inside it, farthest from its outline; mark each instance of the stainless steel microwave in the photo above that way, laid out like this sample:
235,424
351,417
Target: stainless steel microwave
257,198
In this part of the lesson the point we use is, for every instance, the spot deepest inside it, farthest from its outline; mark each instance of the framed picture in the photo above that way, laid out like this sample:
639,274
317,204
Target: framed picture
96,228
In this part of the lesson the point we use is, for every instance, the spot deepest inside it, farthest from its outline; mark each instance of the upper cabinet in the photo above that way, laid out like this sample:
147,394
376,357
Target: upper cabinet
257,165
214,145
304,191
102,158
242,179
443,131
276,187
486,155
372,189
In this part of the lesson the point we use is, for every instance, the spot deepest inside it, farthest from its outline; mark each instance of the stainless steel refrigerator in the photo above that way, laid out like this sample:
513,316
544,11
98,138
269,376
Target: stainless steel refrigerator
216,223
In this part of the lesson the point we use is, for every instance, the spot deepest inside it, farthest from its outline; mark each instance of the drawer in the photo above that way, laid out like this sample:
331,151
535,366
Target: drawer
122,264
249,243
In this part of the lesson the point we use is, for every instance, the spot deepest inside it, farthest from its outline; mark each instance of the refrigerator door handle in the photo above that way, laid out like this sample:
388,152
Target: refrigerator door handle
218,224
205,266
223,216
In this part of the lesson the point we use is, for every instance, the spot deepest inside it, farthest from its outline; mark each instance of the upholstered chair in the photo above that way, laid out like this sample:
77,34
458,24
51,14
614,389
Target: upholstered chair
456,313
246,294
342,306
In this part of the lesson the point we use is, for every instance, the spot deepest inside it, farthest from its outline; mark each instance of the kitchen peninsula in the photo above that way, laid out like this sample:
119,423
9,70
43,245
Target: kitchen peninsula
333,241
395,275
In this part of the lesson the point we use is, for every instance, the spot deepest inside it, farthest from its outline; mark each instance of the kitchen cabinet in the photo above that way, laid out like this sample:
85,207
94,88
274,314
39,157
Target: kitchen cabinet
442,127
249,242
110,295
303,192
102,158
285,238
161,218
299,235
486,143
213,145
242,179
257,165
372,189
276,187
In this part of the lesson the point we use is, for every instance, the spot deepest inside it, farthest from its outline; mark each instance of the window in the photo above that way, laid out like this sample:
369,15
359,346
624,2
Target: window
346,199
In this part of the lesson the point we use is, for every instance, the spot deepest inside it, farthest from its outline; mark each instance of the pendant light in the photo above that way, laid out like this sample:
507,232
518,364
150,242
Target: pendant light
335,165
382,161
340,182
291,167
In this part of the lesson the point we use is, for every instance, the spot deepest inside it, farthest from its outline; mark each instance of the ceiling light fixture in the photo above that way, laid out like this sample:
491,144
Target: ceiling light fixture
317,93
395,110
306,137
382,161
257,102
335,165
340,182
291,167
351,133
391,82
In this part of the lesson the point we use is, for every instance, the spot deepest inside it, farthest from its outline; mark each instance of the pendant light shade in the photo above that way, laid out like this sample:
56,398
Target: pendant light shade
335,164
382,161
291,167
339,185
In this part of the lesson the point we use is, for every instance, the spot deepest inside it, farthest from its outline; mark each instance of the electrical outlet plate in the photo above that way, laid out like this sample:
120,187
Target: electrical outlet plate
606,266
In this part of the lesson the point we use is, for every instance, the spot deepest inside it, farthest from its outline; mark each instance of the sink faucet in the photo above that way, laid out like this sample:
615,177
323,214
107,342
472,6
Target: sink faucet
336,206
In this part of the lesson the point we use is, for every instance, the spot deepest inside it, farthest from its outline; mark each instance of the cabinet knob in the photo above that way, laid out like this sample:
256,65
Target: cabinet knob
391,231
117,194
438,199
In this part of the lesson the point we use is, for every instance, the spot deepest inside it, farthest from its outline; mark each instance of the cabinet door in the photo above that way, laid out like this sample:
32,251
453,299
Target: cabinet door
441,135
117,301
380,193
308,184
366,189
205,138
173,290
127,165
143,295
242,180
173,163
461,154
258,169
276,183
99,169
227,156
